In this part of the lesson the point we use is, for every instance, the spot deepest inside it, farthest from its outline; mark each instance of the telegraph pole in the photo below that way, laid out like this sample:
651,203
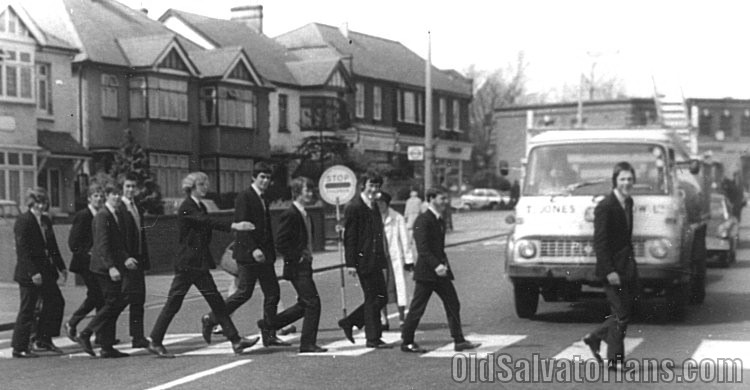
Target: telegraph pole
428,153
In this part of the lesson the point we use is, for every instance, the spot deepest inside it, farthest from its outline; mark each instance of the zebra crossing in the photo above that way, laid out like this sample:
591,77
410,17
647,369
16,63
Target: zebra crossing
191,345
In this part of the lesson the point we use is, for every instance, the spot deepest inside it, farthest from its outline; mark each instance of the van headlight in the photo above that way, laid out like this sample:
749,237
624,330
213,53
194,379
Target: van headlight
526,249
659,248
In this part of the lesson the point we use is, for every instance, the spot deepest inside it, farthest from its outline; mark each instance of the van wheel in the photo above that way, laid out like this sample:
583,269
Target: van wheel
527,299
677,299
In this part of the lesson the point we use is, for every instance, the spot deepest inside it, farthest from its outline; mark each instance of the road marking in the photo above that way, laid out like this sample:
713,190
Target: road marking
225,348
199,375
168,340
346,348
490,343
582,350
725,349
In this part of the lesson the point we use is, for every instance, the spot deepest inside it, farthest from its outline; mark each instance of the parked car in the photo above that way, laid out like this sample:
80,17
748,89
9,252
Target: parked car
481,198
722,234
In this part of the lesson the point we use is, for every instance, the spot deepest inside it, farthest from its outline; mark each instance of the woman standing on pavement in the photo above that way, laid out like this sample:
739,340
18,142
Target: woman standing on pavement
399,253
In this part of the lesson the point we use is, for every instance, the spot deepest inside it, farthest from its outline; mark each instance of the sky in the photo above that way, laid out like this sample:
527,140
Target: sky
697,48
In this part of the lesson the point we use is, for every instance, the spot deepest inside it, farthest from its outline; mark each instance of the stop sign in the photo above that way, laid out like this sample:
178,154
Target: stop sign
338,184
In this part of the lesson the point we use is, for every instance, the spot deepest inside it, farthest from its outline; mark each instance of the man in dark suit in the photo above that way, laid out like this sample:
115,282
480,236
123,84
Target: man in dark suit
36,273
133,279
294,242
109,259
364,249
193,263
80,242
255,255
615,264
433,273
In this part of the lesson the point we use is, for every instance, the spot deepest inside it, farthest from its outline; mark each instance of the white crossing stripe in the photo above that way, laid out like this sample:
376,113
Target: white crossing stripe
168,340
346,348
582,350
201,374
723,349
225,348
490,343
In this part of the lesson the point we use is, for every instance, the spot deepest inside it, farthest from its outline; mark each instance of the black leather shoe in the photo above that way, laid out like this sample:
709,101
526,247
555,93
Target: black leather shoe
347,327
243,344
268,336
594,344
98,344
140,343
207,327
71,332
386,326
24,354
312,349
379,344
413,348
159,350
47,345
84,340
112,354
464,345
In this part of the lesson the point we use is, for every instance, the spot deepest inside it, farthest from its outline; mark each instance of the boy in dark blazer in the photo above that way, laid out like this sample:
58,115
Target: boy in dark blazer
364,250
80,242
294,242
615,264
133,278
109,260
37,270
255,254
193,263
433,274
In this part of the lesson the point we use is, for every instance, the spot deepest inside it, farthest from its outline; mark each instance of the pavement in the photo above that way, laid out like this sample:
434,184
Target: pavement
469,227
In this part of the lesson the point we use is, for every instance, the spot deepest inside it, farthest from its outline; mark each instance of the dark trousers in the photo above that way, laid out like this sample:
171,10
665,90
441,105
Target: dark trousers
368,313
94,299
50,316
104,322
422,292
134,289
308,306
248,275
621,300
204,282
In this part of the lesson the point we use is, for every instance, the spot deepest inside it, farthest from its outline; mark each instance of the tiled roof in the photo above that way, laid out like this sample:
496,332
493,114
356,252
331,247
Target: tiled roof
144,51
98,24
373,57
216,62
60,143
266,55
310,73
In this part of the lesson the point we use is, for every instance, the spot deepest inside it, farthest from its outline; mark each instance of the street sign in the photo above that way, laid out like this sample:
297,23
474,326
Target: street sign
415,153
337,185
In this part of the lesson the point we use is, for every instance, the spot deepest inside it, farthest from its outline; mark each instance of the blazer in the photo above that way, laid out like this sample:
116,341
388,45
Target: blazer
196,229
429,236
363,237
81,240
110,249
35,255
291,242
248,206
613,238
131,237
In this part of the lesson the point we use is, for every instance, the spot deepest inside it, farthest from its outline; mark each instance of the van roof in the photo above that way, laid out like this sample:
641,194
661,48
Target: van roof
661,136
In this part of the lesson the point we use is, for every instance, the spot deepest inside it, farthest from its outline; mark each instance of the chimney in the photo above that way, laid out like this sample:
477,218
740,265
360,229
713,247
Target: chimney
144,10
345,29
251,15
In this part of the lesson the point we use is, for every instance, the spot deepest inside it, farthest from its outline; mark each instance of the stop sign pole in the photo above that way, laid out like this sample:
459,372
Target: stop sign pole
338,184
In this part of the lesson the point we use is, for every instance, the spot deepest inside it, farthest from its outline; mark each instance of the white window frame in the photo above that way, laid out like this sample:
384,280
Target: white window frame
167,98
359,101
208,105
377,103
443,114
237,108
44,89
18,60
26,174
169,170
456,116
138,97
